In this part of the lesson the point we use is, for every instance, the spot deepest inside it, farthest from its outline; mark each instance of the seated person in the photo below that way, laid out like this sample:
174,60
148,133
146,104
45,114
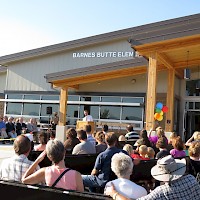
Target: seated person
122,166
129,149
13,168
177,185
3,134
143,152
194,158
84,147
43,139
71,140
10,128
121,141
20,125
179,147
55,151
161,144
105,128
101,145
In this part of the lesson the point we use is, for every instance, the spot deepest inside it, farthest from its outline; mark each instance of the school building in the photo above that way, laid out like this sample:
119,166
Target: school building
118,76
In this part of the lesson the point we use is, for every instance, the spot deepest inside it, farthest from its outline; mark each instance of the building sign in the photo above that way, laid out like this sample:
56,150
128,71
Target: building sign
105,54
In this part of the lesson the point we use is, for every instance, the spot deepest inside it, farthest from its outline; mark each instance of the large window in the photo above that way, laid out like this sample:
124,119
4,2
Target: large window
102,108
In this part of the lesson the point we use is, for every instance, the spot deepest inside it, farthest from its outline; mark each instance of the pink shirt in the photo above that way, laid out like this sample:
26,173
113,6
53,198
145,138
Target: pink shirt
68,181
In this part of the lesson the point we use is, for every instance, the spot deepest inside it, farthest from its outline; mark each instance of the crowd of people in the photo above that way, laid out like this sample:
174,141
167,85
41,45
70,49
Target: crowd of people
116,157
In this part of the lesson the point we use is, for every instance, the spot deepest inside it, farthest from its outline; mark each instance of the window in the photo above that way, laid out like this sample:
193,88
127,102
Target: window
32,97
110,112
31,109
132,113
14,108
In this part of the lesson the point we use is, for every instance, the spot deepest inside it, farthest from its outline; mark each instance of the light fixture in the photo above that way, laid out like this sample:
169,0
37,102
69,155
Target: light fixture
133,81
198,81
187,70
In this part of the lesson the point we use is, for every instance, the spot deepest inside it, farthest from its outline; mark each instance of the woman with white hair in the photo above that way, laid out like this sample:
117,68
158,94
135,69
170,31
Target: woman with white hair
122,166
56,175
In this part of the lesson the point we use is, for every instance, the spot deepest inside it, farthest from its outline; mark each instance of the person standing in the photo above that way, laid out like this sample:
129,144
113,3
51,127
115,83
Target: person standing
87,117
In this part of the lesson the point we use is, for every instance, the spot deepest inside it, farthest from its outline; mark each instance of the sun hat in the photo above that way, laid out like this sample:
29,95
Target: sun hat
122,138
168,169
139,142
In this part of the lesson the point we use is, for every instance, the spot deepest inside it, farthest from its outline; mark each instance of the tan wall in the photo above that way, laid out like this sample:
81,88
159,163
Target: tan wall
29,75
2,82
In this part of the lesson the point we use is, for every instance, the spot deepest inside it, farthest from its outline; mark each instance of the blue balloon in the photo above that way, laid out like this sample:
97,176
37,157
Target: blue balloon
159,105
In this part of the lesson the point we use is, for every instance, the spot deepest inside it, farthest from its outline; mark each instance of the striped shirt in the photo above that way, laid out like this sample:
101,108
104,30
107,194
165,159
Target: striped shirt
132,136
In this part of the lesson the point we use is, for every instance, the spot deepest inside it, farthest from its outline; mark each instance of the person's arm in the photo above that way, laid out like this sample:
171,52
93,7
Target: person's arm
32,177
79,182
114,194
188,143
94,172
150,132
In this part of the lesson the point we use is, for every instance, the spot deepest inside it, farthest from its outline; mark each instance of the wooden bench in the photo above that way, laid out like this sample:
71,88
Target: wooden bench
83,163
13,190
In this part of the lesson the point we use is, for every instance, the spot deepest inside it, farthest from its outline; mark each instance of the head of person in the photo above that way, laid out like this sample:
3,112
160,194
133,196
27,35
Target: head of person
128,148
1,118
139,142
122,165
100,137
71,133
81,134
194,149
111,139
88,128
160,132
129,128
143,133
178,143
143,150
55,114
43,137
21,120
86,112
121,138
150,152
52,135
55,150
22,145
10,119
105,128
5,118
169,169
161,143
196,135
172,136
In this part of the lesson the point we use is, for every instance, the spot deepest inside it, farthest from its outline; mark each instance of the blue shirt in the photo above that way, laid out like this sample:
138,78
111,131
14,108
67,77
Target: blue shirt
103,164
2,125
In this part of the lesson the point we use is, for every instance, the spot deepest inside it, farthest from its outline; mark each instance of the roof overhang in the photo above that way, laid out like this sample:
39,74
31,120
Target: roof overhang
176,44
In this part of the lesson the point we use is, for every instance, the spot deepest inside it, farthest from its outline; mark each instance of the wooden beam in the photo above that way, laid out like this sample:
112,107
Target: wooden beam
169,122
151,91
63,106
184,64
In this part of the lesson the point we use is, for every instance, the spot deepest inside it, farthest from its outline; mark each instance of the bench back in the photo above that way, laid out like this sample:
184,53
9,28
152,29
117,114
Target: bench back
12,190
83,163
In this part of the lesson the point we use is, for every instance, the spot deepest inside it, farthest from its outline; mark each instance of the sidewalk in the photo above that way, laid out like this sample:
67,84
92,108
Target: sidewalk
6,151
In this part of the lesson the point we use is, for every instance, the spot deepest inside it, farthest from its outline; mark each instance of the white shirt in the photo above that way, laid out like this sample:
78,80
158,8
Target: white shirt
88,118
127,188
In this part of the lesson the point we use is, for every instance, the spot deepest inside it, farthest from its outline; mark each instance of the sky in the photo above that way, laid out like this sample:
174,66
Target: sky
30,24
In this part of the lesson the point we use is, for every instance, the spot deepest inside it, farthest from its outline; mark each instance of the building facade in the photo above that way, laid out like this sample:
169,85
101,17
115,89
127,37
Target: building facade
109,75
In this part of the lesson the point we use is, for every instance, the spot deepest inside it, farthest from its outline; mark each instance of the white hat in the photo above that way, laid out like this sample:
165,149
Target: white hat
168,169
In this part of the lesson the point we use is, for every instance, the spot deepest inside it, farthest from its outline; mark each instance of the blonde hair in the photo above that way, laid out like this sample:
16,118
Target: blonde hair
150,152
196,135
194,149
128,148
143,149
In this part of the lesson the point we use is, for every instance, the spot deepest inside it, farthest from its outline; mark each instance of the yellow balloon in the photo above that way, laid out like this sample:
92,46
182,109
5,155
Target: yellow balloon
161,112
157,116
160,118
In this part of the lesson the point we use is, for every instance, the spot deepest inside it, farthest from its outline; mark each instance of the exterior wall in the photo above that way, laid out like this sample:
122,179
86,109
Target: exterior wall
29,75
2,81
125,85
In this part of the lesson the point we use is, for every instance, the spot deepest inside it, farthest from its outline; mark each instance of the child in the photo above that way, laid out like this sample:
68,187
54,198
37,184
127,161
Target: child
150,153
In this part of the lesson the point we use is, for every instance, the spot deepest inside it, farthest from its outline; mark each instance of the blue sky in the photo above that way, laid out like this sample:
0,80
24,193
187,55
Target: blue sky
29,24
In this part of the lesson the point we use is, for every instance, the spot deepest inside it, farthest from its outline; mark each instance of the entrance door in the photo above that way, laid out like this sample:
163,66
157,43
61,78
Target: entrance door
192,123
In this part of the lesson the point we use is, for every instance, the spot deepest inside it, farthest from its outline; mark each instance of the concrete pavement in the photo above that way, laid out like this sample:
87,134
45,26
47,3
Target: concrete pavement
6,151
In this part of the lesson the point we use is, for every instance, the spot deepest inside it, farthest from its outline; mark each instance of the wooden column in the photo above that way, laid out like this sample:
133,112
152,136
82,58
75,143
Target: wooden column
169,122
63,106
151,91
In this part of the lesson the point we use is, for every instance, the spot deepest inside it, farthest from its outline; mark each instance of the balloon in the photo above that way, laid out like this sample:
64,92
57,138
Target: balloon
158,110
157,116
160,118
165,109
159,105
161,112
